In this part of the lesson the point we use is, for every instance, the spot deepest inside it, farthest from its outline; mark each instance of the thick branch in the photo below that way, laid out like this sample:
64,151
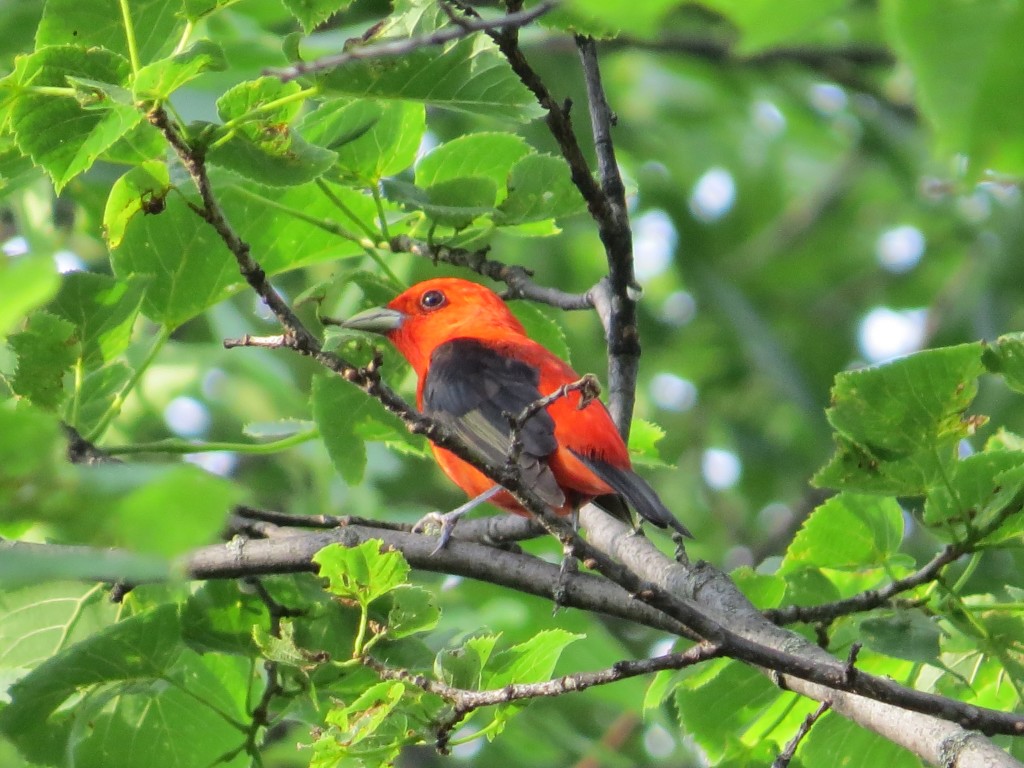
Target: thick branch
727,620
925,731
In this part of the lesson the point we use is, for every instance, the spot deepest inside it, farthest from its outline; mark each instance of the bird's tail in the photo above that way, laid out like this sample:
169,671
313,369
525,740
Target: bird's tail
637,493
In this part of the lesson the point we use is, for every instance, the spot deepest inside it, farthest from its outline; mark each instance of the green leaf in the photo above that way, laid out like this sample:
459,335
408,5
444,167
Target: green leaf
29,282
193,718
454,203
197,9
46,350
463,667
607,19
99,392
294,242
141,143
848,531
484,155
373,724
763,590
163,77
156,25
363,573
539,188
1006,358
966,63
190,267
142,190
39,621
192,506
834,735
413,609
542,326
981,487
765,24
372,139
32,453
347,417
282,648
530,661
906,635
103,310
141,646
312,13
919,399
897,425
55,130
277,159
259,144
222,618
469,75
644,437
720,700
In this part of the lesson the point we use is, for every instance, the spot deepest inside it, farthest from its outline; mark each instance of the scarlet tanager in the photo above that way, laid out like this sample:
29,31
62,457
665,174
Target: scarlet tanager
475,365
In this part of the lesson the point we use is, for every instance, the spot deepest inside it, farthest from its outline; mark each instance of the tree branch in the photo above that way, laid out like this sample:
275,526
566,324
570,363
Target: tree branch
402,47
465,701
720,616
518,279
620,327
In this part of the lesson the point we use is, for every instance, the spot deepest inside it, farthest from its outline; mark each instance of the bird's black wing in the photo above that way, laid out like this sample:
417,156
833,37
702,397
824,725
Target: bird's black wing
470,386
636,491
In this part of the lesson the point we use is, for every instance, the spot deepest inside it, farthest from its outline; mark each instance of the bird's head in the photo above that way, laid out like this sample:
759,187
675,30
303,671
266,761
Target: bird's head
434,312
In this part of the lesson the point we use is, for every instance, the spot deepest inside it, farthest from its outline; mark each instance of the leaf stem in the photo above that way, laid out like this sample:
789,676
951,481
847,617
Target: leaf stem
340,205
129,31
364,620
115,406
269,106
186,33
324,224
178,445
382,220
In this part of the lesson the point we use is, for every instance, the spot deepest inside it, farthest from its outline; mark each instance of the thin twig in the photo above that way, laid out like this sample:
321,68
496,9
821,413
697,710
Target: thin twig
877,598
404,46
518,279
782,761
589,389
464,701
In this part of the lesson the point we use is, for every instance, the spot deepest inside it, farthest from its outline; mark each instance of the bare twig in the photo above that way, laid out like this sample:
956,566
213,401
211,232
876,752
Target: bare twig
401,47
588,387
782,761
518,279
464,701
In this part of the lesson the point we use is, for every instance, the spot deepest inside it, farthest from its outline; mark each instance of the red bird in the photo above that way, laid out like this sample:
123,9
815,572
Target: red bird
475,364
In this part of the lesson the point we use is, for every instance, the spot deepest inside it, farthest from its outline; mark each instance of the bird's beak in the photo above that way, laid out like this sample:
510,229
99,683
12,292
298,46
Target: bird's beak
376,320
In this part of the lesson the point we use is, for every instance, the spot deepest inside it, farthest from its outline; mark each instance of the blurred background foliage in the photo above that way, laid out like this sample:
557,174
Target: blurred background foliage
810,192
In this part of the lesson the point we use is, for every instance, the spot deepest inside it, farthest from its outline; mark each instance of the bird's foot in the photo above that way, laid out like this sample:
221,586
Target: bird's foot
569,568
442,524
445,522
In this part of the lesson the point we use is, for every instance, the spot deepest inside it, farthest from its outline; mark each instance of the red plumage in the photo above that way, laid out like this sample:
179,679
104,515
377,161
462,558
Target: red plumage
474,363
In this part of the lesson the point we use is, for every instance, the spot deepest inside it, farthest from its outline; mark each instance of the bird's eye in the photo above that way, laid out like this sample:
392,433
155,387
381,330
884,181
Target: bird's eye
432,300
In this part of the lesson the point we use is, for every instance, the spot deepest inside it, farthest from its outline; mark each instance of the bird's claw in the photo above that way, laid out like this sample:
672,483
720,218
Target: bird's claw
443,524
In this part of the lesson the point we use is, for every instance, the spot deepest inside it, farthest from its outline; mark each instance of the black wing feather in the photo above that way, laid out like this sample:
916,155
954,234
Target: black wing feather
636,491
470,386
